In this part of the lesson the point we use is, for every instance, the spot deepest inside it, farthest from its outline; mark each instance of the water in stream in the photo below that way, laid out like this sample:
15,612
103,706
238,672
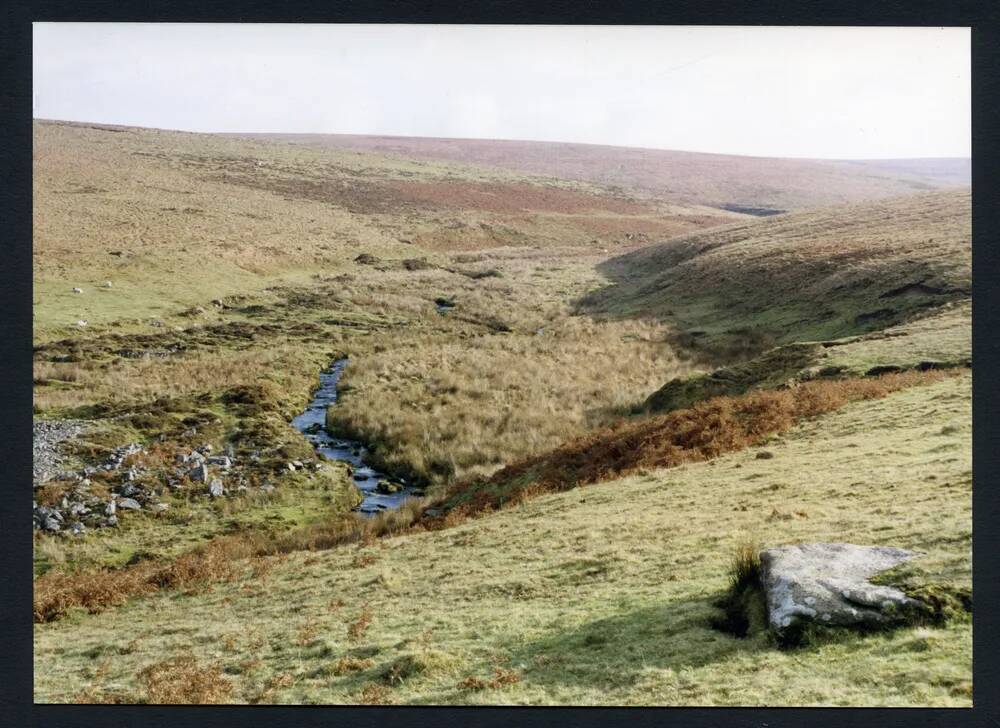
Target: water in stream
312,424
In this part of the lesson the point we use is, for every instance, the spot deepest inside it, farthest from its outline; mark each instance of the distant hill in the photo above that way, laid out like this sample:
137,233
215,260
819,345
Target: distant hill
755,185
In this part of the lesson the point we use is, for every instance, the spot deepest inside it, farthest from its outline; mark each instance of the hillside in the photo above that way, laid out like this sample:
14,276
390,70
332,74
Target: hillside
806,276
757,185
177,219
537,362
602,595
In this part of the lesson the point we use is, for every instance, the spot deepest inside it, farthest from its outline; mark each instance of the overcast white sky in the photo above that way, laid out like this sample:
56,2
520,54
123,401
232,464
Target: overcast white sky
803,92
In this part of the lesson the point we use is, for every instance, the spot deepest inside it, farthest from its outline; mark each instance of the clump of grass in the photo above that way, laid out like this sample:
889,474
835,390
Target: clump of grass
184,680
743,606
409,665
374,694
501,677
356,629
745,569
349,664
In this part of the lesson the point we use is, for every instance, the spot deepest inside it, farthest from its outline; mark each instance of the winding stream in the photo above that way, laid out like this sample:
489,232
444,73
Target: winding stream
312,424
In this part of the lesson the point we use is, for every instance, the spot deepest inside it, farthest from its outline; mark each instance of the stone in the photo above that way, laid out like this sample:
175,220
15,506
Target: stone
181,458
829,583
290,466
109,509
129,504
77,528
159,507
199,473
222,461
77,290
51,523
129,490
764,455
215,488
298,464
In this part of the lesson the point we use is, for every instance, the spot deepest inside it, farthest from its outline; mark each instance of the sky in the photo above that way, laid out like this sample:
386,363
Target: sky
837,93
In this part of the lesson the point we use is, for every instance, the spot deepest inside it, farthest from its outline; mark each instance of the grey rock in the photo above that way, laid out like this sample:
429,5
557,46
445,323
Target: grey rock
215,488
77,528
110,521
129,504
109,509
221,460
159,507
129,490
290,466
827,583
51,524
181,458
199,473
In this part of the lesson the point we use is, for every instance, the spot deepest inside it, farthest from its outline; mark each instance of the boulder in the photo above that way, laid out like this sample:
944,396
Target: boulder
828,584
129,504
199,473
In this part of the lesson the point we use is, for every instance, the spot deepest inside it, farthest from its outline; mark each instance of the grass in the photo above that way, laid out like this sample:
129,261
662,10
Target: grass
704,431
599,595
240,268
808,276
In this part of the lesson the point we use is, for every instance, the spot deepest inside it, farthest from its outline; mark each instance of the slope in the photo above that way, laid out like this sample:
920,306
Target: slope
176,219
758,185
600,595
816,275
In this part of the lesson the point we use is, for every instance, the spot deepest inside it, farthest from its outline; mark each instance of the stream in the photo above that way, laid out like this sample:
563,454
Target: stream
312,424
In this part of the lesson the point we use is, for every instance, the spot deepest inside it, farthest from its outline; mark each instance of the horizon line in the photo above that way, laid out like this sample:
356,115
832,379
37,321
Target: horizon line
259,134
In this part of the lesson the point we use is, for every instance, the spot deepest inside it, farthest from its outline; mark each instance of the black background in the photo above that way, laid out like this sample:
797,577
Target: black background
16,668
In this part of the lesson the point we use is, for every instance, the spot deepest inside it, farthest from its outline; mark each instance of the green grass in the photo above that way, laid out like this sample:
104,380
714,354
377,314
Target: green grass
600,595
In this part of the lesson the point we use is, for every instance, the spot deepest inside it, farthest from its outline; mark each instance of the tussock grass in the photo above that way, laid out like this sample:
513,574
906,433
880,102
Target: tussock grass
698,433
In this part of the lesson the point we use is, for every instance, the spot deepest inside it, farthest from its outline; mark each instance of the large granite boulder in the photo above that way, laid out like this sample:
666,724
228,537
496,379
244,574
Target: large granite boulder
828,584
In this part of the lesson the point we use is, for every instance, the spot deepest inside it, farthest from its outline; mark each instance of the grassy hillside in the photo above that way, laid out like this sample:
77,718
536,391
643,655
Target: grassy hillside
175,219
497,322
599,595
807,276
759,185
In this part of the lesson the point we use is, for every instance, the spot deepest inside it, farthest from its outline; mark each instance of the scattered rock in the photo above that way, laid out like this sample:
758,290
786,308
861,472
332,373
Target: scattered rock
129,504
222,461
199,473
47,437
367,259
764,455
215,488
827,584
